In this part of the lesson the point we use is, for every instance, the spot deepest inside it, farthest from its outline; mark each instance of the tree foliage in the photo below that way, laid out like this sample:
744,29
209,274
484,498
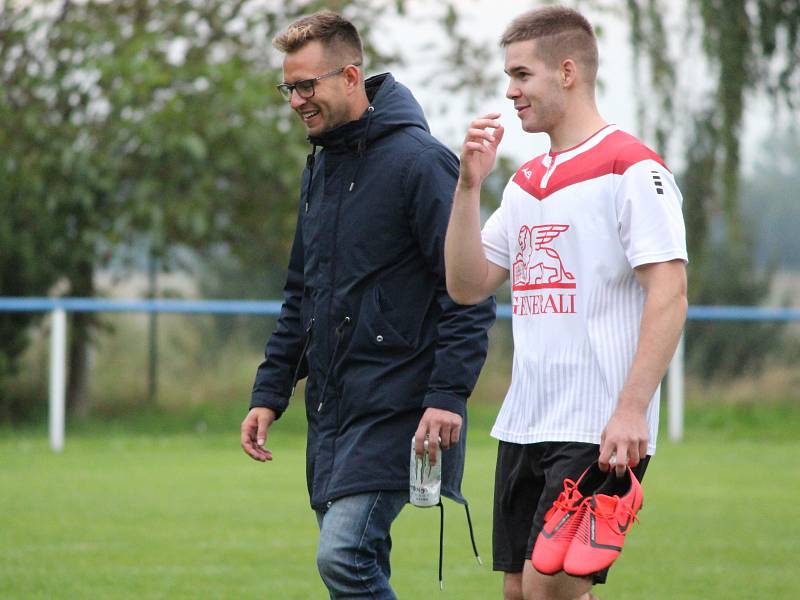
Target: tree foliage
153,125
748,47
745,48
770,203
143,121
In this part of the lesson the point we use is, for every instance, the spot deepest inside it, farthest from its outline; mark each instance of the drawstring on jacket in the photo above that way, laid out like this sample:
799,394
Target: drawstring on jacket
310,159
339,336
472,534
362,146
302,356
441,539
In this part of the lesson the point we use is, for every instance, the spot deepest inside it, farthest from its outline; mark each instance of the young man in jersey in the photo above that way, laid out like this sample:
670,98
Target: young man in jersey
592,238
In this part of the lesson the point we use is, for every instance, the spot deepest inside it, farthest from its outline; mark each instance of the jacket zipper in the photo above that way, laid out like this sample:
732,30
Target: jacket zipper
330,302
339,335
302,355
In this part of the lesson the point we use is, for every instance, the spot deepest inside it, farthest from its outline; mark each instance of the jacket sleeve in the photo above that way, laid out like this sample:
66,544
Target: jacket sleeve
276,374
462,330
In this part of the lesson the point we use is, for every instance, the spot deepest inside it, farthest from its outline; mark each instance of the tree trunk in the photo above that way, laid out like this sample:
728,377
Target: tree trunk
80,334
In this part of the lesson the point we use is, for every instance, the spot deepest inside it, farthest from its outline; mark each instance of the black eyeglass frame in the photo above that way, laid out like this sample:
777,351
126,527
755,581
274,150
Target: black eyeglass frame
286,89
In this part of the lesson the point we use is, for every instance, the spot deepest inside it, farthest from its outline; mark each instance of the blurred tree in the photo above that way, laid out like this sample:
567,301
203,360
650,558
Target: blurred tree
142,120
742,48
155,124
770,201
26,260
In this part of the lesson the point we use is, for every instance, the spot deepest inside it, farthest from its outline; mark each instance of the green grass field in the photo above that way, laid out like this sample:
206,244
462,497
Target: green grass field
127,514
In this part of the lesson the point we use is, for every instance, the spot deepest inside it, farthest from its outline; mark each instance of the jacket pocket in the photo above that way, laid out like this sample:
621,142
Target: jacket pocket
375,330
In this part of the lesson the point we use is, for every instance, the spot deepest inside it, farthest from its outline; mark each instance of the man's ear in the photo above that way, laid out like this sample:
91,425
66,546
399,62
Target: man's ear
568,72
352,76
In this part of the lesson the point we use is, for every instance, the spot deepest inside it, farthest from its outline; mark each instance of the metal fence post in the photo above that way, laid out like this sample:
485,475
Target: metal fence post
58,379
675,393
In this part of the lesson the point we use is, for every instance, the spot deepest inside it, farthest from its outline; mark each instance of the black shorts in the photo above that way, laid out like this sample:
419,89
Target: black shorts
528,479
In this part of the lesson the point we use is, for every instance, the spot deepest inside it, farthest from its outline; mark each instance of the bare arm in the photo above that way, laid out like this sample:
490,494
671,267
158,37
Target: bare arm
626,433
470,276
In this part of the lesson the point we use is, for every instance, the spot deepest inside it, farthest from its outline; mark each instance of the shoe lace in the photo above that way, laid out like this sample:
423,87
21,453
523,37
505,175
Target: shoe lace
565,500
618,509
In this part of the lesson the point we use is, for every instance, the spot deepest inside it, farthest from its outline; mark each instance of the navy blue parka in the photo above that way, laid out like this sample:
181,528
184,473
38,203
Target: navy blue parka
366,316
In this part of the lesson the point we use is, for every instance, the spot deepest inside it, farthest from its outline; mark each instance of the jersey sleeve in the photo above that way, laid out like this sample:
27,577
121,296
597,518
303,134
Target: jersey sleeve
651,223
495,237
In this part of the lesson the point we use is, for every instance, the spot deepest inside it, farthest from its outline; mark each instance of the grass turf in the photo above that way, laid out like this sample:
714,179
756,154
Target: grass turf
173,515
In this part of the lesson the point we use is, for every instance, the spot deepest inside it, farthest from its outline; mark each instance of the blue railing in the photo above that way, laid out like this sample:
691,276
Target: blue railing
219,307
58,307
273,308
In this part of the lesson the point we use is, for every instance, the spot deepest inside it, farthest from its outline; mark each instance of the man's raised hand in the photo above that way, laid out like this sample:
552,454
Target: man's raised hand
479,152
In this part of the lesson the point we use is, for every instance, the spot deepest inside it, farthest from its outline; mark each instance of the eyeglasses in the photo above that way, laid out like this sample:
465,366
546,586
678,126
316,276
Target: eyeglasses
305,87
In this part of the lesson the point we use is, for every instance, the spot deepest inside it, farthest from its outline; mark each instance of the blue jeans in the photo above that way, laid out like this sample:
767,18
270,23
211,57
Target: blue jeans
354,544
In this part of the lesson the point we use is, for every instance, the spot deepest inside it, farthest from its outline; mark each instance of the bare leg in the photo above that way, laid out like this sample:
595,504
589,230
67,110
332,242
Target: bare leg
560,586
512,586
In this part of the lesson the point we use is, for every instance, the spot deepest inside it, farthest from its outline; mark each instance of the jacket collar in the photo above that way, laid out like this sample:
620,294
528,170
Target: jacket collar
392,106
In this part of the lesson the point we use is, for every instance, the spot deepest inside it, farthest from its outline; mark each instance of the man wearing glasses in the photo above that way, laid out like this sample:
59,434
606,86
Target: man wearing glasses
366,317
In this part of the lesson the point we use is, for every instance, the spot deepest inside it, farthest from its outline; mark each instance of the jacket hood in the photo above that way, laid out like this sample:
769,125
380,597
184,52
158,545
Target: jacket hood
392,106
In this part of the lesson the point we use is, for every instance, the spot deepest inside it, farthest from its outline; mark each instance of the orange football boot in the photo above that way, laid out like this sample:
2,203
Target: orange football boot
562,520
607,518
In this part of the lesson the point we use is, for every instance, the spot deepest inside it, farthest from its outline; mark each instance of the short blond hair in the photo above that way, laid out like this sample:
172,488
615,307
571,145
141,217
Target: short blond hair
560,33
337,35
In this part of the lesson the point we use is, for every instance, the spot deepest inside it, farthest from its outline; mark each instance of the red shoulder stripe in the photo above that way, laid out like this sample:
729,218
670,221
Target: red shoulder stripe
614,154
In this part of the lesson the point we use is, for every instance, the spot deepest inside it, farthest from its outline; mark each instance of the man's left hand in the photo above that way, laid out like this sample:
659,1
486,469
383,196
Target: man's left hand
437,424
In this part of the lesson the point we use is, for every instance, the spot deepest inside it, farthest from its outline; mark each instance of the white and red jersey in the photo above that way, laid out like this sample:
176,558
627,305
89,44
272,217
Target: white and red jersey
571,227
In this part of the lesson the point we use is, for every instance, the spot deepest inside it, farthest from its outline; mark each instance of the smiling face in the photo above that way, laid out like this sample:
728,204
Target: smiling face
535,88
330,106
